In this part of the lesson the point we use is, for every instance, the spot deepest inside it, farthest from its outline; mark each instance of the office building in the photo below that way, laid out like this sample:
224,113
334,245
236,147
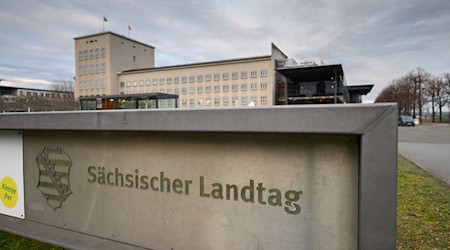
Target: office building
111,64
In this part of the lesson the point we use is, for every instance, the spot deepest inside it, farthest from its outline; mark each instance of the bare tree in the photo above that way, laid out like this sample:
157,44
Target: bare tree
63,86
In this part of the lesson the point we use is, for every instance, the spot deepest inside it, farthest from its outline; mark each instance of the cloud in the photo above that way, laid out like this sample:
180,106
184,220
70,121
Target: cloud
375,41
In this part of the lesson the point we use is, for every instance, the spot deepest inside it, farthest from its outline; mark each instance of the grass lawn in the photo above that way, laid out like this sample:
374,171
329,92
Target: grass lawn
423,213
423,209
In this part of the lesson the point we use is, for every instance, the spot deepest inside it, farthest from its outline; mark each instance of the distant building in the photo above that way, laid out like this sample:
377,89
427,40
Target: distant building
17,99
112,64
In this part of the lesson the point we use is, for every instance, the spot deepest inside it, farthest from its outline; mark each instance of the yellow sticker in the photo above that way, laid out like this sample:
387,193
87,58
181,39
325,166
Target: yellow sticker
8,192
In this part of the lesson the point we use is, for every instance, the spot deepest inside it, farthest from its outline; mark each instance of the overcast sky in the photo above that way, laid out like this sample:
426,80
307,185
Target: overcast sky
375,41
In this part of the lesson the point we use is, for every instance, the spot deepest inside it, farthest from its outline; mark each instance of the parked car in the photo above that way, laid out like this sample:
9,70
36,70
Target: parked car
406,120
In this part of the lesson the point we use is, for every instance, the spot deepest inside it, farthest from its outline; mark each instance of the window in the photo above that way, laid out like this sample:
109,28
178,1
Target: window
263,73
141,83
208,101
128,83
169,80
155,81
162,91
263,99
103,52
80,70
135,83
200,78
192,103
254,99
253,73
225,88
134,58
200,89
216,101
192,90
80,56
208,78
176,91
216,77
184,79
86,55
91,68
263,85
254,86
97,84
191,79
234,100
225,76
183,103
234,75
97,53
216,88
244,87
176,80
225,101
161,81
98,68
91,54
234,87
169,91
183,90
243,100
148,82
103,67
122,84
208,89
243,74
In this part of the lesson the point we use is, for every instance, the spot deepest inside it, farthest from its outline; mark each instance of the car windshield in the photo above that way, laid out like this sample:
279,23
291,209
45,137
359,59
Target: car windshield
406,118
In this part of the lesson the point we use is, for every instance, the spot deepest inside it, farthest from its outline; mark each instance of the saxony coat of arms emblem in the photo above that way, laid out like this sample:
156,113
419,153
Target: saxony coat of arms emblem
54,169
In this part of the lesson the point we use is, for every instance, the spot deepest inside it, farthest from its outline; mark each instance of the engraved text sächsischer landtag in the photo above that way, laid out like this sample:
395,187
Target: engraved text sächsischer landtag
251,192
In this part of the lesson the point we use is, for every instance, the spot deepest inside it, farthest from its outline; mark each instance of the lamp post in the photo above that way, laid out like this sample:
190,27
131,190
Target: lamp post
420,98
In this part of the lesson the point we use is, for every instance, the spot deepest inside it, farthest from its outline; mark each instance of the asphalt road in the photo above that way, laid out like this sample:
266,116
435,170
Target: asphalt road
428,146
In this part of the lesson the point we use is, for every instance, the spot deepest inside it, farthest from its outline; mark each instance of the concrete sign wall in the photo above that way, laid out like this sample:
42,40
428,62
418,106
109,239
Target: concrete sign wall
11,174
298,177
197,191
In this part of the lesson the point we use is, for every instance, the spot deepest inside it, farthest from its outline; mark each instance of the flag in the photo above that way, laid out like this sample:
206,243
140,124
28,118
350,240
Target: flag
129,27
104,19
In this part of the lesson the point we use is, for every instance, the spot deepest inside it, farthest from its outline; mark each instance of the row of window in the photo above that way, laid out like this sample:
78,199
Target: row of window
93,84
215,88
193,79
46,95
225,101
91,54
91,69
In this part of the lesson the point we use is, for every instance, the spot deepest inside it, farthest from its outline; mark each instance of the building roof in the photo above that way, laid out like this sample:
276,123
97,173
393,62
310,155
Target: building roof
142,95
313,72
43,90
200,64
114,34
360,89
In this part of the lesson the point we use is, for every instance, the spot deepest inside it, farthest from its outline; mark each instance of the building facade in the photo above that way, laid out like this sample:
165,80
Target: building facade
17,99
227,83
100,56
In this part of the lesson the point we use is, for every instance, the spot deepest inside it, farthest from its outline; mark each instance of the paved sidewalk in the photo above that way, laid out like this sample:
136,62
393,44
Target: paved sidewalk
429,147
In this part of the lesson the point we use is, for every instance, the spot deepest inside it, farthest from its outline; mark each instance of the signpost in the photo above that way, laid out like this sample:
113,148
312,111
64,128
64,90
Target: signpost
200,179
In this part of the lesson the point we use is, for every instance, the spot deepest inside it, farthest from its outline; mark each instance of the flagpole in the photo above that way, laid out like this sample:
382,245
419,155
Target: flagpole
104,20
